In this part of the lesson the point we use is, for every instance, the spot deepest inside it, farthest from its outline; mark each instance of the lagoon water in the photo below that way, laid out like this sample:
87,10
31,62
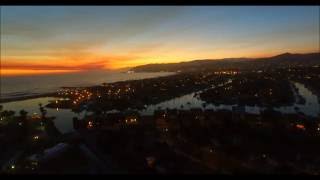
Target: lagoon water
29,85
64,117
310,108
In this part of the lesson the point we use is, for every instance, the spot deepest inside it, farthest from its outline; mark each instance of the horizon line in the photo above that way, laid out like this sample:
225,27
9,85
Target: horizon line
35,72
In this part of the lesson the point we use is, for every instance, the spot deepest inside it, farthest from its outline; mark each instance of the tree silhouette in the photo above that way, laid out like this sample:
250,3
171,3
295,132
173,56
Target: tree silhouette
8,114
43,112
1,113
24,122
23,114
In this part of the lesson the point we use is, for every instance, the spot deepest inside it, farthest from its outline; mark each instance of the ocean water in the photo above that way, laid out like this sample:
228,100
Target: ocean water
21,86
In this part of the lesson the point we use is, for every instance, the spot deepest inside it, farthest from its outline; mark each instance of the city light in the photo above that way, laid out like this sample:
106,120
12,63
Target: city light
300,126
238,88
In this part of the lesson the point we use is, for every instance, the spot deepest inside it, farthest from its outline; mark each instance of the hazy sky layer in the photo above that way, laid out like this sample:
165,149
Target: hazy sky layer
68,38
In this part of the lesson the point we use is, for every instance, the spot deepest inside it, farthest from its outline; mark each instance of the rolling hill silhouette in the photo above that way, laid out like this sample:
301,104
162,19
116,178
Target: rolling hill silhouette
282,60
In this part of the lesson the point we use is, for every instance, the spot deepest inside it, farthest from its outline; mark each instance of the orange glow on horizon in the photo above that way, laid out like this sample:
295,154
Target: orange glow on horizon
52,40
21,66
23,72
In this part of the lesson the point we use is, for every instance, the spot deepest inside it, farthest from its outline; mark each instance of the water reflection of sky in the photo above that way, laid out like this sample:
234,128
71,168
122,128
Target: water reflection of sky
311,107
63,120
189,101
64,117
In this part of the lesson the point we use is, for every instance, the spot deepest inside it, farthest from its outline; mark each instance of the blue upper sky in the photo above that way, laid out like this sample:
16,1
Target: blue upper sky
134,35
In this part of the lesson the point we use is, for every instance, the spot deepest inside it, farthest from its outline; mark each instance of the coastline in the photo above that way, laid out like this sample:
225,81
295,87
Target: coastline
53,93
6,100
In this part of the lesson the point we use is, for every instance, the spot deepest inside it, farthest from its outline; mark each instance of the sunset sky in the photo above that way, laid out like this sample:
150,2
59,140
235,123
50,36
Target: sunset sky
60,39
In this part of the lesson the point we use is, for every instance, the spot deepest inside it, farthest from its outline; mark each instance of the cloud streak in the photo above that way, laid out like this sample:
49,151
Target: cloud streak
86,38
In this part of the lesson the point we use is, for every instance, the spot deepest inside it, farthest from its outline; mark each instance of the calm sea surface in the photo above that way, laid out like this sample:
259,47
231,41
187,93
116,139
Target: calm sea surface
30,85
